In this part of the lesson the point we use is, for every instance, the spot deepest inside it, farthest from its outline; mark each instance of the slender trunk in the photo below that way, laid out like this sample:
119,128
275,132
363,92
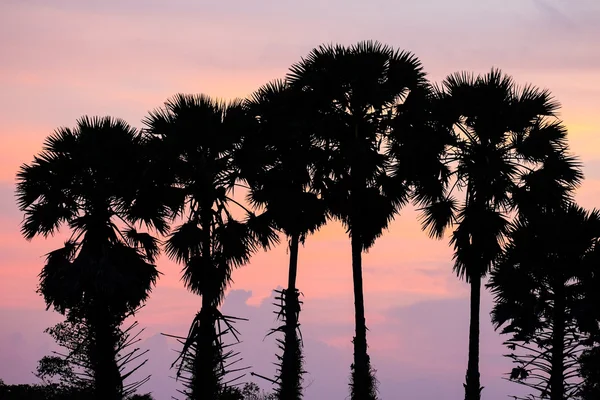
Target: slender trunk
291,363
557,383
473,386
362,386
293,272
108,384
205,382
362,383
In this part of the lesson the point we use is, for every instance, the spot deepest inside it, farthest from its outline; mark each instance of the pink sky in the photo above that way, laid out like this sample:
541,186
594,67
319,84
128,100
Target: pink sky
61,59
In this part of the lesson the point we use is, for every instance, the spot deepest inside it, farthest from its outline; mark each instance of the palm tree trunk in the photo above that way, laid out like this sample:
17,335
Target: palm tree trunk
557,383
108,384
362,383
472,385
205,383
291,363
205,380
293,271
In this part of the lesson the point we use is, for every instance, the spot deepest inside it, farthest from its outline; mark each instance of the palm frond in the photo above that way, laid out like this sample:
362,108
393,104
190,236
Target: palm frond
58,286
144,241
437,216
261,228
184,242
477,240
44,219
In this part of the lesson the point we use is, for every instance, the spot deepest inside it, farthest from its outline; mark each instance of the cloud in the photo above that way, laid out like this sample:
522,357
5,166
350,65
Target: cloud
554,15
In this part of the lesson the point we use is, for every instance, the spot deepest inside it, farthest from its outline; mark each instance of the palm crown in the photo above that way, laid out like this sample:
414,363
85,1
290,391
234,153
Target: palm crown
196,138
541,253
503,135
357,91
86,178
289,159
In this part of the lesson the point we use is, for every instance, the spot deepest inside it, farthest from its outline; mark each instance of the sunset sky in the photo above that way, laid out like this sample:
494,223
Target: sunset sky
61,59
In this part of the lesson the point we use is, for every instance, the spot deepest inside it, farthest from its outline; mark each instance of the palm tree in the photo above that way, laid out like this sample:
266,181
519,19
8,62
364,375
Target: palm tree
501,134
539,288
194,139
356,90
87,179
279,162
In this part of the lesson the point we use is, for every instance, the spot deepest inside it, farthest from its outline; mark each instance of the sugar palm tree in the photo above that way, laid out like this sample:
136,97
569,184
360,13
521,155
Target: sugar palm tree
280,161
502,133
540,291
194,139
357,90
87,178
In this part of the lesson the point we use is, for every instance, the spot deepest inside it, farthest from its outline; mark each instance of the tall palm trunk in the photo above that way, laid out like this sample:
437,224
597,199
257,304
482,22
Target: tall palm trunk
293,271
108,384
205,382
472,385
557,383
363,385
291,362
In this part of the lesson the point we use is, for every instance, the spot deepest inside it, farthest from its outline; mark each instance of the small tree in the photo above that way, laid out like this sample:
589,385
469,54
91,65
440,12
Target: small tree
73,371
539,292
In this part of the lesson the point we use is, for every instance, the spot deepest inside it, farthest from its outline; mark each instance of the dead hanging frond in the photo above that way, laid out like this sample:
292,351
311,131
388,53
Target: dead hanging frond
129,357
205,363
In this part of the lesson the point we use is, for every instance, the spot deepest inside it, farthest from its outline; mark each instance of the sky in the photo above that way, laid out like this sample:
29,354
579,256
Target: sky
62,59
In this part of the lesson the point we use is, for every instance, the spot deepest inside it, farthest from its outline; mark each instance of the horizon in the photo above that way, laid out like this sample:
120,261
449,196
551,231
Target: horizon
69,59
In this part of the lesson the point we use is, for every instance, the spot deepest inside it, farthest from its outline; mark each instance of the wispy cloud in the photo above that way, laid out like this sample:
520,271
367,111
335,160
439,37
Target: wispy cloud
553,15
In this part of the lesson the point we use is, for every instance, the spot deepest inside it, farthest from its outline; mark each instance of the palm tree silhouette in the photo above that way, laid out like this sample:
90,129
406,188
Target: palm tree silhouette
86,178
545,269
502,132
539,287
194,139
279,162
357,90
